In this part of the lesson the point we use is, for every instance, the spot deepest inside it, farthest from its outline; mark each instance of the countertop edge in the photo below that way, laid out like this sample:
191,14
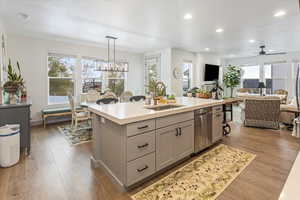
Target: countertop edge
157,114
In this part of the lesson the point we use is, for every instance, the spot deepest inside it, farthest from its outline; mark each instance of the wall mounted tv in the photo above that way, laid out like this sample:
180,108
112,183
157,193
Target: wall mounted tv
211,72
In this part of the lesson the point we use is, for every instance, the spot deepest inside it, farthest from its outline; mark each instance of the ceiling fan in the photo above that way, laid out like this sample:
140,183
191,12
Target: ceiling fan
262,52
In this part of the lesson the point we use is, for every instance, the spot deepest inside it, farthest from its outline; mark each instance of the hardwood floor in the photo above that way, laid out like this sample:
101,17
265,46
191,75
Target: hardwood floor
57,171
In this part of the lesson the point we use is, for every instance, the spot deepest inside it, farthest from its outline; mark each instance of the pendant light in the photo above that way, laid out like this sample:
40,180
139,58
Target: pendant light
113,66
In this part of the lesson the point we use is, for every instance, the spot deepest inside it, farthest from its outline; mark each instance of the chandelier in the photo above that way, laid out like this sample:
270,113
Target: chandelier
112,65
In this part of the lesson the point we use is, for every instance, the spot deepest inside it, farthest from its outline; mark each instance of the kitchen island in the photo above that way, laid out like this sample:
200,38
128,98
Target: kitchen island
132,142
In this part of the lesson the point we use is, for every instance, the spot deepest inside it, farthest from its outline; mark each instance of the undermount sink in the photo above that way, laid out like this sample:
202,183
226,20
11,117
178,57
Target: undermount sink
163,107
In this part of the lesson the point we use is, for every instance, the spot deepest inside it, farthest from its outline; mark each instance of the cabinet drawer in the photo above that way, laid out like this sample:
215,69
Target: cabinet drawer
140,127
140,145
174,119
140,168
217,109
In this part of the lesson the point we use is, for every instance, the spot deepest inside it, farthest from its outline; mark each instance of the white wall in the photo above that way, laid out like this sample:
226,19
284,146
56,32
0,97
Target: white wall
178,58
32,55
202,59
165,61
2,31
199,60
172,58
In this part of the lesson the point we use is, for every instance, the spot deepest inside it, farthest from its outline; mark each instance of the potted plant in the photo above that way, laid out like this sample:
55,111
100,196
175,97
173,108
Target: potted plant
192,92
154,86
232,78
15,82
198,93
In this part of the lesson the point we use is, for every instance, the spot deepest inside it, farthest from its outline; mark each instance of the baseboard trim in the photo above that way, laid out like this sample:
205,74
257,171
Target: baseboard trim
40,122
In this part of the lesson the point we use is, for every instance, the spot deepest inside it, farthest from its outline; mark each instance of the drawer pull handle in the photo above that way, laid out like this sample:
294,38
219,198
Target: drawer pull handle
142,127
142,169
178,132
142,146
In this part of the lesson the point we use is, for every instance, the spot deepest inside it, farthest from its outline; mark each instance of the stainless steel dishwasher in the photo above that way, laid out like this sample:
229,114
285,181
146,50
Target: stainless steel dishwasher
203,128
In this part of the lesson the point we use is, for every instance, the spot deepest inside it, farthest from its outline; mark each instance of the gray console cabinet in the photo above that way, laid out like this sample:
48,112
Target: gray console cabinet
18,114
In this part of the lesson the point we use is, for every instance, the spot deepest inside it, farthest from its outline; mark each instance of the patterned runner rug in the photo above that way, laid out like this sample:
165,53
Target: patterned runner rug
205,178
82,134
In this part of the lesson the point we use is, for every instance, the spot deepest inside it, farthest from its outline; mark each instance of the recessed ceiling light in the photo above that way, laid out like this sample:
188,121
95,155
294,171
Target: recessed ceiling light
188,16
219,30
23,16
252,41
207,49
280,13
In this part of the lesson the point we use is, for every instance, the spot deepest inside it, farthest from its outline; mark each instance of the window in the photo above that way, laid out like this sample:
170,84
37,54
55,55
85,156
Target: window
91,76
94,78
267,70
115,82
186,76
60,77
152,68
277,76
250,76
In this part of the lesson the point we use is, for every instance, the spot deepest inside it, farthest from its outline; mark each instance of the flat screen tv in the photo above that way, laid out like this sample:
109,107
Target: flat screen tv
211,72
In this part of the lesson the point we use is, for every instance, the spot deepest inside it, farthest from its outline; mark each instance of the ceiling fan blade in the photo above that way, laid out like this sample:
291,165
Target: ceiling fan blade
278,53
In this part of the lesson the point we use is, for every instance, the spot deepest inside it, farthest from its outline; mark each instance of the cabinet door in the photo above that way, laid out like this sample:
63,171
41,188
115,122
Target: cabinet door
164,147
217,128
184,142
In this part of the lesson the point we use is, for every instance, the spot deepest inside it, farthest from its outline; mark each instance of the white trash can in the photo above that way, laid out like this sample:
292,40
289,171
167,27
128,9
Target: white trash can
9,145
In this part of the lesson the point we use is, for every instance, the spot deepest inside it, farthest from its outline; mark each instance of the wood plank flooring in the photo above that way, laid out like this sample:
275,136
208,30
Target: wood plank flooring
57,171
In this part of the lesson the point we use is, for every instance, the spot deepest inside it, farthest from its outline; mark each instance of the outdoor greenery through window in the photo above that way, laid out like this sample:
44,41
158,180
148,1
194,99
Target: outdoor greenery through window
186,73
94,79
152,69
62,70
60,77
91,76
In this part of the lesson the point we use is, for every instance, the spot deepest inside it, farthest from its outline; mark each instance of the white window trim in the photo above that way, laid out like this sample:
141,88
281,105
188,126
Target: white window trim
191,74
47,77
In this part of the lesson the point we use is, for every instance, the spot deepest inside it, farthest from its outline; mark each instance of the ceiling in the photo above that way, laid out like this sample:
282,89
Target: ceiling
146,25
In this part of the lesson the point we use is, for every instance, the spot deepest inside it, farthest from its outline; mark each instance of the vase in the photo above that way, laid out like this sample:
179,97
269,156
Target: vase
231,92
11,97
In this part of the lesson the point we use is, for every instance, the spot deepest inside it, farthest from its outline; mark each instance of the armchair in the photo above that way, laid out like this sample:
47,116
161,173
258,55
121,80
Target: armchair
262,112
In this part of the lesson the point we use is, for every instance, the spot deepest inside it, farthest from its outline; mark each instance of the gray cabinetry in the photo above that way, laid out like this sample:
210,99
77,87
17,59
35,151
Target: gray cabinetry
184,142
18,114
174,143
133,152
165,147
217,125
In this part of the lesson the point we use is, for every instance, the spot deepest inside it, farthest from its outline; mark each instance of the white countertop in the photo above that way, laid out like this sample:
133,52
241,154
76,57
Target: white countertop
125,113
291,187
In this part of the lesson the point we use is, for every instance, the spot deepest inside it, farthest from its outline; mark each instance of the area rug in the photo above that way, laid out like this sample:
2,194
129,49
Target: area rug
82,134
205,178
